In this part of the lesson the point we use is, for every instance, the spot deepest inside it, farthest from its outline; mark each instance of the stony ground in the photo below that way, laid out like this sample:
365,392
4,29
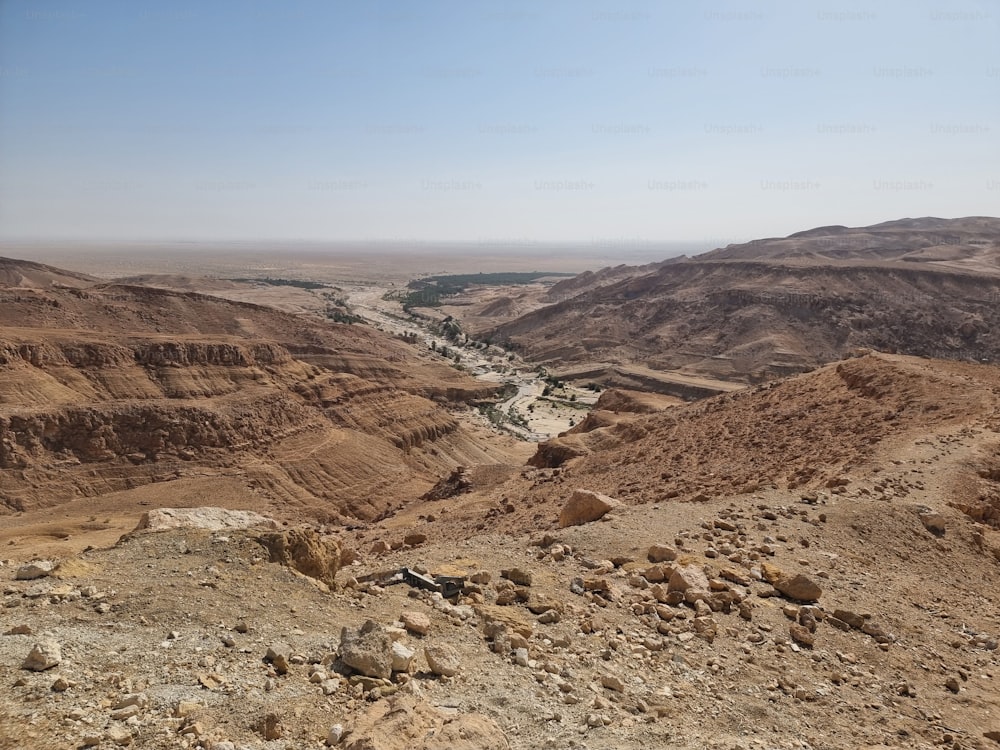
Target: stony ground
572,638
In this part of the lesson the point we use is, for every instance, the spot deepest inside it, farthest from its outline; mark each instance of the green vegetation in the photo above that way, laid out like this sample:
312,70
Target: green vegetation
428,291
284,282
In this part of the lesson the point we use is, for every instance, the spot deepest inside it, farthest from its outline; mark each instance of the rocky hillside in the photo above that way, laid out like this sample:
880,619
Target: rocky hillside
332,420
773,307
852,606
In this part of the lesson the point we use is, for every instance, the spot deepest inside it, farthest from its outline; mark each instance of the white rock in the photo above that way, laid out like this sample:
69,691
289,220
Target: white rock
336,733
211,518
402,657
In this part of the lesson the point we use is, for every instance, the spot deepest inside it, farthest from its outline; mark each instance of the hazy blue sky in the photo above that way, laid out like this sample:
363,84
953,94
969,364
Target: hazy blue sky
490,121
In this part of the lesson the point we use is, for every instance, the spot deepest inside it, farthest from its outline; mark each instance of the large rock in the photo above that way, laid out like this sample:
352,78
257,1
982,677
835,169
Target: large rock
367,650
306,551
36,569
933,522
794,586
658,553
442,660
416,622
585,506
210,518
798,587
405,722
688,578
402,657
44,655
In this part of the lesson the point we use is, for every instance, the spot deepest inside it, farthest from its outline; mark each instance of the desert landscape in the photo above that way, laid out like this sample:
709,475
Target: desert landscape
744,500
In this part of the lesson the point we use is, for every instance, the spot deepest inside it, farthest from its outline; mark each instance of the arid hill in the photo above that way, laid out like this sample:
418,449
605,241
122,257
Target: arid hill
26,274
928,287
114,387
971,243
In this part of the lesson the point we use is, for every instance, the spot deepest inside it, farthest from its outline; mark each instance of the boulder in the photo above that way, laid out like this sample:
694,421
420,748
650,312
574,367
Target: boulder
688,578
367,650
852,619
661,553
278,655
518,576
416,622
402,657
442,660
43,655
799,587
933,522
210,518
304,550
585,506
36,569
801,634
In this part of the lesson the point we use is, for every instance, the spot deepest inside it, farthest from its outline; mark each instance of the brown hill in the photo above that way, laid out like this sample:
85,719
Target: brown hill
971,243
774,307
324,419
18,274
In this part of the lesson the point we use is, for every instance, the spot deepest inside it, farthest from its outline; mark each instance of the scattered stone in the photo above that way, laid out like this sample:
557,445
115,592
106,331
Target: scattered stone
367,650
952,684
798,587
271,728
661,553
335,735
416,622
613,682
186,708
44,655
414,539
61,685
521,657
278,656
402,657
140,700
933,522
688,578
801,635
517,576
33,570
23,629
853,620
442,660
585,506
119,736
